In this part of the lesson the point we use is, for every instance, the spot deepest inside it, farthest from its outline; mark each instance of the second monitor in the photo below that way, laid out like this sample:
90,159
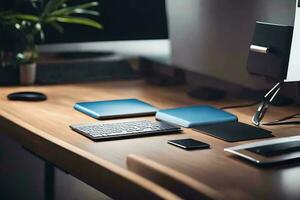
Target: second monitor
212,37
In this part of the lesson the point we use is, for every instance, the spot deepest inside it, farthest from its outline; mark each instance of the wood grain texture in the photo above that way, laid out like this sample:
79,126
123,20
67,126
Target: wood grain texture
43,127
177,182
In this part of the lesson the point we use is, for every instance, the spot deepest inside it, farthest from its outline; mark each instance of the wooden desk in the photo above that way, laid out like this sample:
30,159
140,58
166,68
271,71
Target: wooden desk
43,128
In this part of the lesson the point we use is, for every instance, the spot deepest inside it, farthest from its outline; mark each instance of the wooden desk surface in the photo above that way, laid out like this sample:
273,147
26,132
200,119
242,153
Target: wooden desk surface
43,128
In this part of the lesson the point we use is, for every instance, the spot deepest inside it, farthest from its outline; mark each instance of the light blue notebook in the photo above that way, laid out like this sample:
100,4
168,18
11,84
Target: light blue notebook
116,108
195,115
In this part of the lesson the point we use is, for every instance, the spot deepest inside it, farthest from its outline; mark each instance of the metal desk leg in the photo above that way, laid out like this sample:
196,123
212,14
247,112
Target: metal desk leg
49,181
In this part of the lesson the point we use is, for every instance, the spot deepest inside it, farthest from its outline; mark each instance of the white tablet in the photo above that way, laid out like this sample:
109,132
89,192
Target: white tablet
269,151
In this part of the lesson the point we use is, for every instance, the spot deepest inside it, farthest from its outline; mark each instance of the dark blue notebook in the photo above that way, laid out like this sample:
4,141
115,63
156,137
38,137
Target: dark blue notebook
116,108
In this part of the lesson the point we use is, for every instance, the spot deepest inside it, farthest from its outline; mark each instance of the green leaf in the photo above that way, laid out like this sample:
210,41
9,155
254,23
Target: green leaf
5,13
77,20
36,3
53,5
21,16
7,21
74,9
42,35
57,27
87,12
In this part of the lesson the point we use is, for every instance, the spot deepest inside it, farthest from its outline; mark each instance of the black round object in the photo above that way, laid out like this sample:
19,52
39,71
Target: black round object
27,96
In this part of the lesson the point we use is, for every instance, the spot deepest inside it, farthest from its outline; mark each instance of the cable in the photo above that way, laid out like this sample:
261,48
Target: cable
240,106
284,121
279,122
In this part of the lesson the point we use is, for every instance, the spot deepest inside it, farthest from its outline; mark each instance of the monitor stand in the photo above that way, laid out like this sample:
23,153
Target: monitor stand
207,93
177,76
83,54
267,100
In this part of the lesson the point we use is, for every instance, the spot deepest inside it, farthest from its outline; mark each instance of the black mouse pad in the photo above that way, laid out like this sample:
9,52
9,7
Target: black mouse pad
233,131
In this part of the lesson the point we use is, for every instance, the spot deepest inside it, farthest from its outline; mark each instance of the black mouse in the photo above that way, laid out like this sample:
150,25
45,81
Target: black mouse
27,96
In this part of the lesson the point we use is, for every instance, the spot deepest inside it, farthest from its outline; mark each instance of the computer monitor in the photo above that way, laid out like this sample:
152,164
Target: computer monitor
131,27
212,37
294,62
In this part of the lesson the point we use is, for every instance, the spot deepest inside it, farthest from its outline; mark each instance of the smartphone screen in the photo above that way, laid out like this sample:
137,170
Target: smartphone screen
189,144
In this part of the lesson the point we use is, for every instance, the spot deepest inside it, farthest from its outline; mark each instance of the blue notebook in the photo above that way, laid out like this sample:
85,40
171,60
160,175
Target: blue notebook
116,108
194,116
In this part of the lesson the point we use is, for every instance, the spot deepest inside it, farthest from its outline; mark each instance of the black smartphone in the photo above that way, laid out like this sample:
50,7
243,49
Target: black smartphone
189,144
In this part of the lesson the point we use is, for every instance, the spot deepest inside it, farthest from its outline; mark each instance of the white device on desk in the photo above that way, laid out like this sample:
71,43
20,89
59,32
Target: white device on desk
269,151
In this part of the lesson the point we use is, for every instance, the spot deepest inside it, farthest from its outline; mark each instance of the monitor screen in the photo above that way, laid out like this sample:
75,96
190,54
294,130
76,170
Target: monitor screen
121,19
213,37
294,69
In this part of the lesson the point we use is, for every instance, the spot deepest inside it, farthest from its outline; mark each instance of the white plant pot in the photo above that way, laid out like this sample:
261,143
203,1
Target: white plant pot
27,74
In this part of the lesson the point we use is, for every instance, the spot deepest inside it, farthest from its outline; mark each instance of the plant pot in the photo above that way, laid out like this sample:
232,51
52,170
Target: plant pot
27,74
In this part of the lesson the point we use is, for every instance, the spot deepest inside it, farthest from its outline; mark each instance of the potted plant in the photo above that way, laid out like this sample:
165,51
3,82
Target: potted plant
31,25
